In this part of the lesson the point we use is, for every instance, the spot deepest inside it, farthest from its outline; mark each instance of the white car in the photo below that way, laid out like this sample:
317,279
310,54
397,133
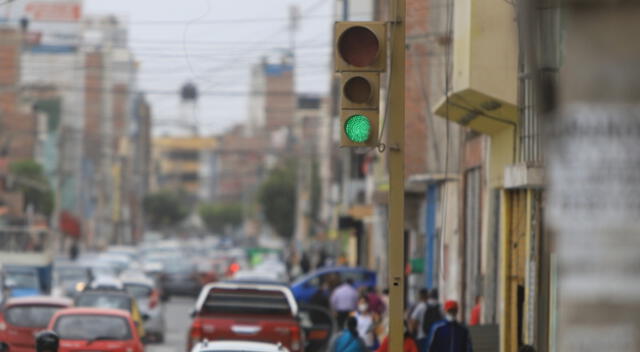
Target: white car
255,275
238,346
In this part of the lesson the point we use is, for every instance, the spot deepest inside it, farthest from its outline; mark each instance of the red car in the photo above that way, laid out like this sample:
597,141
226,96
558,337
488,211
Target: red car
96,329
247,311
22,318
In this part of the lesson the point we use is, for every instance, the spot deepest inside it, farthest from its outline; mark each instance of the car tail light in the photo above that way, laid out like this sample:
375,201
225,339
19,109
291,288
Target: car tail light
153,299
318,335
296,339
195,334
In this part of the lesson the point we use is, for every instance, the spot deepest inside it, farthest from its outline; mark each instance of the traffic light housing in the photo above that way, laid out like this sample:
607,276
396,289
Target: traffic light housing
361,55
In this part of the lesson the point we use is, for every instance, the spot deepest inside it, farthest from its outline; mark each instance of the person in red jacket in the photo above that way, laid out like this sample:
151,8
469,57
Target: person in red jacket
476,312
409,344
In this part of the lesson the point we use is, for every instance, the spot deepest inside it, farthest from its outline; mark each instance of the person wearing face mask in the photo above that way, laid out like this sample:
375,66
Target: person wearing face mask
366,324
449,335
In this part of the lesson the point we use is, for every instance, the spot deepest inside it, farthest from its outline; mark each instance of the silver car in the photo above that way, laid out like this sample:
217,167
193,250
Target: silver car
146,293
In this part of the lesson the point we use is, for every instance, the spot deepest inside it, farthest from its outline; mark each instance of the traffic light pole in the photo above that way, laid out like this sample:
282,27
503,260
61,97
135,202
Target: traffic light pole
395,143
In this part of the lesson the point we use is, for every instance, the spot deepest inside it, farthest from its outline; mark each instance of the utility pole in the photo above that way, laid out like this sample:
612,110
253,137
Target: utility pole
395,144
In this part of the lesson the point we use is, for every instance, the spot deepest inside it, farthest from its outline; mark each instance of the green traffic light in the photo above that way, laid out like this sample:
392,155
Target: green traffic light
358,128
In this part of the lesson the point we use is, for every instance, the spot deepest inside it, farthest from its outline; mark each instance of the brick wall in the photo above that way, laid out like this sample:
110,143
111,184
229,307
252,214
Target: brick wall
120,97
94,76
18,125
280,99
416,123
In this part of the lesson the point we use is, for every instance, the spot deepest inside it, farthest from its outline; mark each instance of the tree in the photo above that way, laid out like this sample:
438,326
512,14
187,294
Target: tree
165,208
28,176
277,196
217,217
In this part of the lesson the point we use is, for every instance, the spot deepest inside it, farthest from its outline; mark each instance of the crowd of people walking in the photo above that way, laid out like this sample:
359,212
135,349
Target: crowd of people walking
362,313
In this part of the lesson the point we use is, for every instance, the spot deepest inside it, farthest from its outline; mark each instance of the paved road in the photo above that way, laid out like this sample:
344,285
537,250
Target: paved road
177,320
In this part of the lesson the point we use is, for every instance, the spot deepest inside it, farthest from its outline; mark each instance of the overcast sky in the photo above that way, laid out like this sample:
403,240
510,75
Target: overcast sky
214,43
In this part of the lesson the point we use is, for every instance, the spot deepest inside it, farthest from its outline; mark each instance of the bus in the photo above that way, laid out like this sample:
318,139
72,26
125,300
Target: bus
26,261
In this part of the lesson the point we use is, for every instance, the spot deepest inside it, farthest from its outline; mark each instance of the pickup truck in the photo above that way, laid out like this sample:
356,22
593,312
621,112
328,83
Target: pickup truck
247,311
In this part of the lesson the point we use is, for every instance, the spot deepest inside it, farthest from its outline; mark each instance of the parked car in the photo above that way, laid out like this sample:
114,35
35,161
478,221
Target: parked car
69,279
21,318
147,295
95,329
238,346
113,300
306,286
20,281
244,311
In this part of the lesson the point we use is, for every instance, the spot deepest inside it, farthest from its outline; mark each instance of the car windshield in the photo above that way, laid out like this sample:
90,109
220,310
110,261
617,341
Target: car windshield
21,279
138,291
86,327
71,274
176,267
36,316
105,300
246,301
103,270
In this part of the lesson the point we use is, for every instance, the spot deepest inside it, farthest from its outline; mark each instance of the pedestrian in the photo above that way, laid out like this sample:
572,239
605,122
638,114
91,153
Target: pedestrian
366,324
47,341
385,297
476,312
449,335
416,318
344,300
322,258
348,340
432,315
74,250
305,264
375,302
409,344
320,298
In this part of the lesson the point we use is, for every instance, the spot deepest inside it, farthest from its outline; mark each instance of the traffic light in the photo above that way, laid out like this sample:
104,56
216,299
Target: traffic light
361,55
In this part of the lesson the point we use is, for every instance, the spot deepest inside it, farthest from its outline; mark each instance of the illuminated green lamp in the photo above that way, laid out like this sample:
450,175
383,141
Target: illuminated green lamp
358,128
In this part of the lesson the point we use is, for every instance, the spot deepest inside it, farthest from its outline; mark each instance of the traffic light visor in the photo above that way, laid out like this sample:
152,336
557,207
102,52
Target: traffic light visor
358,90
358,128
358,46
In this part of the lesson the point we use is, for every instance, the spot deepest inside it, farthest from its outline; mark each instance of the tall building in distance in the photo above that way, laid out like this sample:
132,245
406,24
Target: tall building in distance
272,103
177,162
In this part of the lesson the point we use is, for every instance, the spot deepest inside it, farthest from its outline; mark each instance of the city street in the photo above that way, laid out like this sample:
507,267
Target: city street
177,320
342,175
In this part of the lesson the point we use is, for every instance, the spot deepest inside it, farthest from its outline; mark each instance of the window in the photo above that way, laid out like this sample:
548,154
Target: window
189,177
21,279
86,327
246,301
184,155
30,316
104,301
138,291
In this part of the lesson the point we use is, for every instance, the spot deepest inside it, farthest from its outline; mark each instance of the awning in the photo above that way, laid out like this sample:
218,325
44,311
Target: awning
478,111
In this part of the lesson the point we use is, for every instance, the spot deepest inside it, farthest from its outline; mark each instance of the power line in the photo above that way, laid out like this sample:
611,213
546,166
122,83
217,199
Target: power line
199,22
